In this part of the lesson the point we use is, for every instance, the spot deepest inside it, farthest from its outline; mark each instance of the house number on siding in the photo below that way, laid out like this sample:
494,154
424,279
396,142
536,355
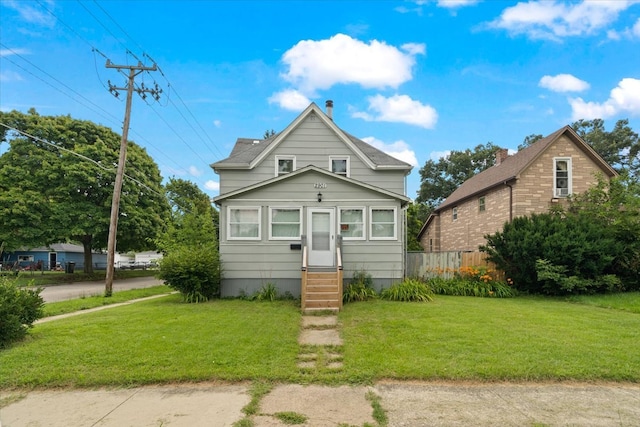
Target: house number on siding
320,185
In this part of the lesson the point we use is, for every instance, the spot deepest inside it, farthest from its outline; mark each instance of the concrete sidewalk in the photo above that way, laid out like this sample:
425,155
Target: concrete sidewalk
407,405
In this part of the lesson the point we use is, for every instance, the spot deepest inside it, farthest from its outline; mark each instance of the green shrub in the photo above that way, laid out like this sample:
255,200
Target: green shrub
408,290
555,281
580,243
360,288
194,271
19,308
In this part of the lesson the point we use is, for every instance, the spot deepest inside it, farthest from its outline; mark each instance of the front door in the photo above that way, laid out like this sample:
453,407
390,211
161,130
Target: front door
322,237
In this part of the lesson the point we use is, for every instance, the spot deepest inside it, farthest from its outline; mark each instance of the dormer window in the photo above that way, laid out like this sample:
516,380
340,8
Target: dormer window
339,165
562,177
285,164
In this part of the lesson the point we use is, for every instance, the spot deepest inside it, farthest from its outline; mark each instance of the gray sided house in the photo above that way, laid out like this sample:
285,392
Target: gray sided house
307,208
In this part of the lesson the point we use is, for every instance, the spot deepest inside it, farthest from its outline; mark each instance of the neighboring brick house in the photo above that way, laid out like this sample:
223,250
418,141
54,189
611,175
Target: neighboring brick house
528,182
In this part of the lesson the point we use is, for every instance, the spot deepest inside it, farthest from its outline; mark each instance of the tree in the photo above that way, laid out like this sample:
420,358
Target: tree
417,214
439,179
193,219
529,140
58,185
620,147
191,262
268,134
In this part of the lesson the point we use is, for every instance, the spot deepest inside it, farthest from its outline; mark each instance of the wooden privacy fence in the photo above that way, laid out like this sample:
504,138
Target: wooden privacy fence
445,264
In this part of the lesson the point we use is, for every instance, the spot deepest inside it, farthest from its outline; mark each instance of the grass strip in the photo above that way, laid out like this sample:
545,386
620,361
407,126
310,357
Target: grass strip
69,306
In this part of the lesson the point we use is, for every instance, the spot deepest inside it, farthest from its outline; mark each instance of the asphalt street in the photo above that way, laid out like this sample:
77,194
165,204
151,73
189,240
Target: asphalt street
69,291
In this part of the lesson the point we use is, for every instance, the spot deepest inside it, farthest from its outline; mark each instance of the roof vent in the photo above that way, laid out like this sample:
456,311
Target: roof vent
256,141
329,106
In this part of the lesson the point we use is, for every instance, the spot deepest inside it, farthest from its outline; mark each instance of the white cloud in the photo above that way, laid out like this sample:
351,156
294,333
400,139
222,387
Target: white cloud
217,123
399,149
194,171
454,4
555,20
314,65
624,99
9,52
628,33
563,83
10,76
212,185
30,14
290,99
399,109
437,155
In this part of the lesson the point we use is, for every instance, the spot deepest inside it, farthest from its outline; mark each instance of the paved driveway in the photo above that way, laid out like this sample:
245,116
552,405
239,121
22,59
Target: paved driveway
88,289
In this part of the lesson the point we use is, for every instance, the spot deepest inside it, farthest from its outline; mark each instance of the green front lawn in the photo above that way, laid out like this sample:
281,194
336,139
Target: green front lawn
460,338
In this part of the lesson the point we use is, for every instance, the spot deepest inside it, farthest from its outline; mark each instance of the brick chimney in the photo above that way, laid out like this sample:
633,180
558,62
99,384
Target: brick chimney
329,106
501,155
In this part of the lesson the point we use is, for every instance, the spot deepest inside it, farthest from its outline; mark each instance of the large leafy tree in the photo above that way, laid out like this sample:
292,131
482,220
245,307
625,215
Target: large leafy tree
56,184
619,147
439,179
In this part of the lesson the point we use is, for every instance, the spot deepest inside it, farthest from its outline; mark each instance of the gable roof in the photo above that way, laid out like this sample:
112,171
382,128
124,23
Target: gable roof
247,152
511,167
305,170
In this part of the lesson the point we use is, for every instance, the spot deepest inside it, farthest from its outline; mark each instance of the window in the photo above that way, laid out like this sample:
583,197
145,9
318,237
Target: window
243,223
383,224
482,204
352,223
454,213
285,164
25,258
339,165
562,177
284,223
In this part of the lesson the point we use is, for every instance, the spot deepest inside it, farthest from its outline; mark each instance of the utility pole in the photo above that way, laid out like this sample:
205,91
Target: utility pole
134,70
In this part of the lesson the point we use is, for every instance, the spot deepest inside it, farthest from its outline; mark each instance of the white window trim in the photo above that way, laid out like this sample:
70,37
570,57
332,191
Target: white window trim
278,158
230,208
364,221
395,222
556,192
454,213
347,158
482,204
291,208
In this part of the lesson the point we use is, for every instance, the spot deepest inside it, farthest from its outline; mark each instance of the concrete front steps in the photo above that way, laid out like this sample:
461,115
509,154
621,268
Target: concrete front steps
321,291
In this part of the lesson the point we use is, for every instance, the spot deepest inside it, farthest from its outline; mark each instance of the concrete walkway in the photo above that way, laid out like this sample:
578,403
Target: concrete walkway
406,404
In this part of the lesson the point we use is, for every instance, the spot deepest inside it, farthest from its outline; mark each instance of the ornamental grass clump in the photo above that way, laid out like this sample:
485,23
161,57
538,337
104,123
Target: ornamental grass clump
408,290
360,288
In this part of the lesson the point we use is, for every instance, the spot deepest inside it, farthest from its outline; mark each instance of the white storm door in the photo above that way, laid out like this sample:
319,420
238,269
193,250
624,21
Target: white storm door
322,237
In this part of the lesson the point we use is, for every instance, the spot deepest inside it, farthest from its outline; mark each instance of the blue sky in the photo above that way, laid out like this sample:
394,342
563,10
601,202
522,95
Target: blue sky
414,78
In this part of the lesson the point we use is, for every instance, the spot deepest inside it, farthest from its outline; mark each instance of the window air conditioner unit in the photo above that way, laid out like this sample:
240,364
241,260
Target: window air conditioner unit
562,192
